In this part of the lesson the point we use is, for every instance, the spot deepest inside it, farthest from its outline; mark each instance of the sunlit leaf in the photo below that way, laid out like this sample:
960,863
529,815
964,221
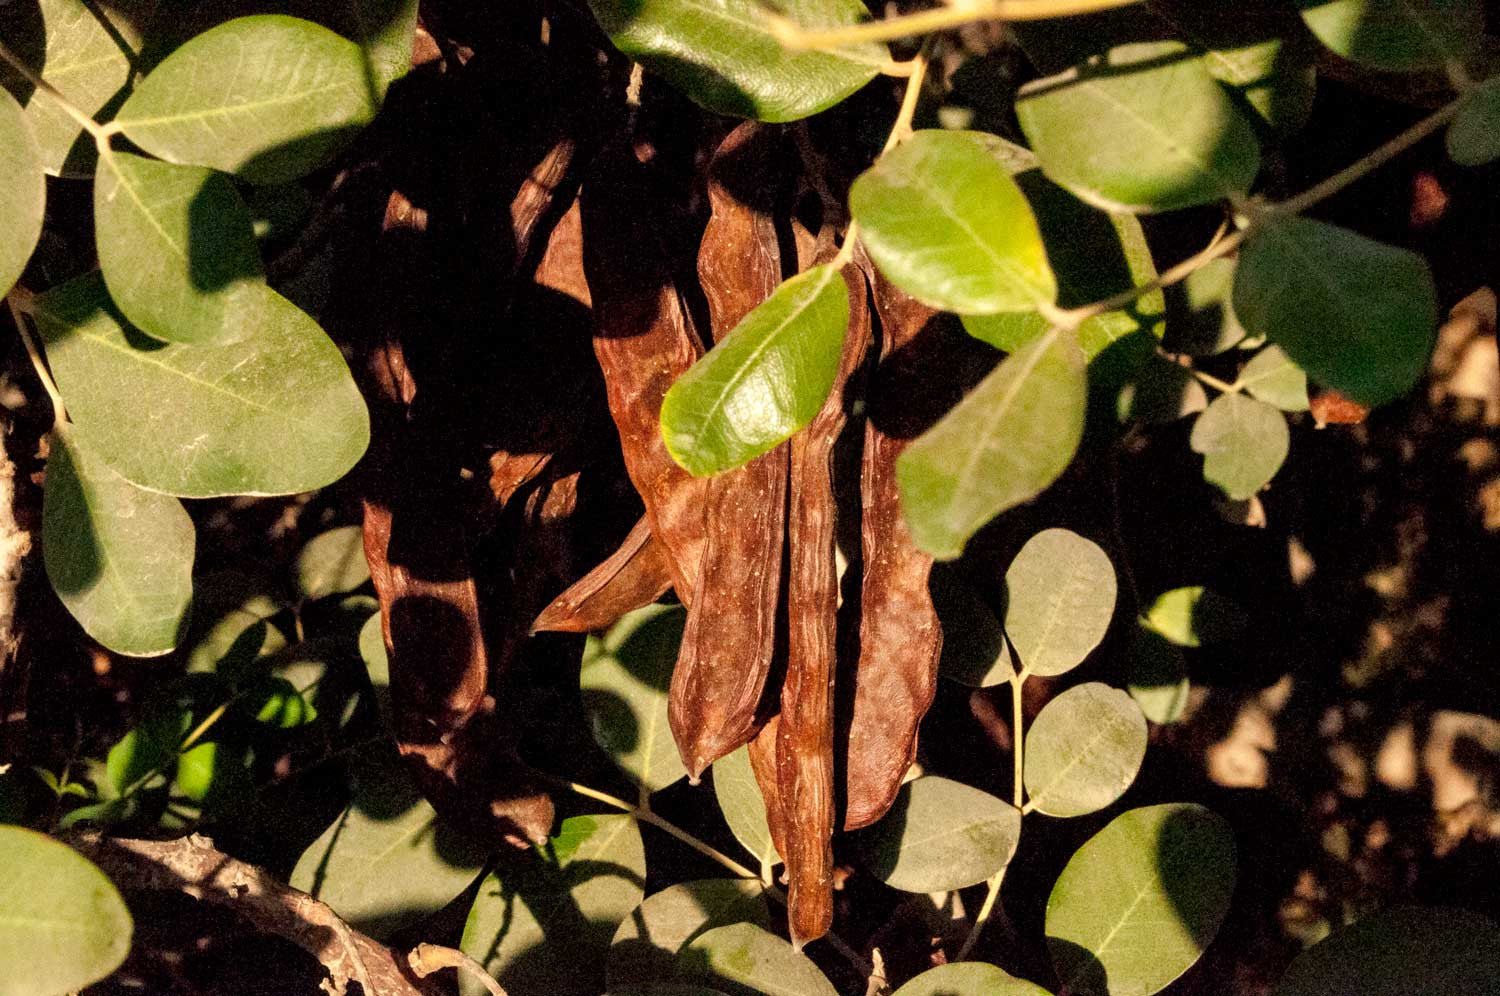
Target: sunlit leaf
969,978
267,97
577,889
1060,597
121,559
1083,750
1474,136
1158,676
1244,443
23,192
644,949
1137,905
275,414
1193,616
625,676
1398,35
230,624
742,805
940,835
1272,377
1006,441
65,925
942,218
743,959
721,54
150,749
332,563
764,381
1402,951
1150,130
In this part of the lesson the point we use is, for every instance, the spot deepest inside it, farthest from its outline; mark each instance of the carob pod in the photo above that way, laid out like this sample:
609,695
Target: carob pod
763,767
636,574
730,634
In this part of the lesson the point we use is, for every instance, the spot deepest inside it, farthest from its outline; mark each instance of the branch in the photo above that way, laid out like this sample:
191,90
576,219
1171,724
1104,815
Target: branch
956,13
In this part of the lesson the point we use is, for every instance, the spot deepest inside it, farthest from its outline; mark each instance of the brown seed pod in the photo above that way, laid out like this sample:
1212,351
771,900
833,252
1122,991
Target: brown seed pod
636,574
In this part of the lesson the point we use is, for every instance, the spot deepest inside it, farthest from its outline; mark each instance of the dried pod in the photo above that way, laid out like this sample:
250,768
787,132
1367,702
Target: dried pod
763,766
636,574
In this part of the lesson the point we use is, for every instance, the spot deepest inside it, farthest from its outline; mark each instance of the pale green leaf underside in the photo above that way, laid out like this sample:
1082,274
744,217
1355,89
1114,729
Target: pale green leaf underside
720,53
63,924
177,250
1397,35
1474,136
969,978
1244,443
1060,593
275,414
1137,905
625,676
121,559
267,97
1402,951
764,381
332,562
940,835
645,948
746,958
942,218
742,805
23,192
1272,377
1083,750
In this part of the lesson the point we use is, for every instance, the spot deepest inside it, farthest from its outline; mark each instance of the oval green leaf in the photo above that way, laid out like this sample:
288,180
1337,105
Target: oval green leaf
1402,951
1272,377
941,835
722,55
332,563
764,381
1397,35
1201,319
969,978
1137,905
23,192
974,650
120,559
942,218
644,950
1005,442
65,925
1244,443
276,414
1474,136
625,676
543,920
1158,676
1357,315
177,250
1149,130
743,806
1194,615
1083,750
743,959
1060,597
267,97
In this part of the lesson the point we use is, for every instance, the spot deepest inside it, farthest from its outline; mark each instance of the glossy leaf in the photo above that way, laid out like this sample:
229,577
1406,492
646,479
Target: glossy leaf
275,414
969,978
65,925
942,218
1137,905
644,950
941,835
1194,616
1201,320
387,861
1244,443
625,676
1005,442
1402,951
266,97
121,559
1083,750
1272,377
721,54
332,562
1150,130
177,251
743,807
1157,675
1060,597
1357,315
1397,35
1474,136
743,959
543,921
764,381
23,192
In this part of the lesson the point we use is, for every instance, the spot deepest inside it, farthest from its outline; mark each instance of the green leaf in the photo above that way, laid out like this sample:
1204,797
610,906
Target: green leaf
1201,320
23,193
974,650
1083,750
378,667
1162,392
65,925
942,218
1402,951
387,861
721,54
969,978
1244,443
332,563
543,921
1272,377
177,251
386,32
1138,904
743,807
764,381
1150,130
941,835
1357,315
84,50
1397,35
121,559
625,676
150,747
230,625
644,949
1474,136
1193,616
277,702
1060,593
268,98
743,959
1158,676
1005,442
275,414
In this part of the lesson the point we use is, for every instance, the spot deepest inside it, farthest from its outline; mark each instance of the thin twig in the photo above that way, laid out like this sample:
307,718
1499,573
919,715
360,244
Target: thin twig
1221,246
425,959
793,36
59,413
